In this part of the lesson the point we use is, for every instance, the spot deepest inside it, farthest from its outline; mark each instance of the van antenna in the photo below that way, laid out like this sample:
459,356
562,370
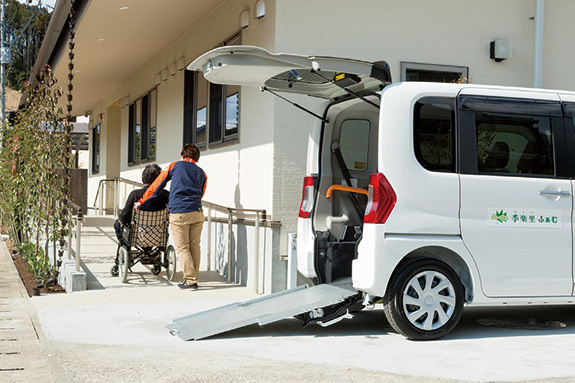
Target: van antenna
351,92
325,120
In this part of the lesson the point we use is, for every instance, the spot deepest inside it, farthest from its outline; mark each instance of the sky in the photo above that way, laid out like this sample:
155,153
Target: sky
47,3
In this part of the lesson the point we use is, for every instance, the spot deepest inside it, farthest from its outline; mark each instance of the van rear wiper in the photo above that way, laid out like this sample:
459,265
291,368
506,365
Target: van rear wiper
325,120
350,92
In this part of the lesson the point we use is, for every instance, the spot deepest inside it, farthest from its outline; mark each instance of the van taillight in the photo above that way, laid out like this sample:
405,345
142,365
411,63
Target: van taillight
381,199
306,198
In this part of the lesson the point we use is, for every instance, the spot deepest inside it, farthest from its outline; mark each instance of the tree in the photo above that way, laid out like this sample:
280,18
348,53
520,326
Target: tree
26,26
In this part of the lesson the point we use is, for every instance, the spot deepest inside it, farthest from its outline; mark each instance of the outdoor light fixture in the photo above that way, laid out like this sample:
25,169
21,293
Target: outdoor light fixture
260,9
125,7
500,50
244,19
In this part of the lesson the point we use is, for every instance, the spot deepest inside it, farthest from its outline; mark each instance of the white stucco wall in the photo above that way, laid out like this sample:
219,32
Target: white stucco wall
264,169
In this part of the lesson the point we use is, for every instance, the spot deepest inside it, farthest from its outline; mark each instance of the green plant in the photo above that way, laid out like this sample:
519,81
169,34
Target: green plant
36,262
33,151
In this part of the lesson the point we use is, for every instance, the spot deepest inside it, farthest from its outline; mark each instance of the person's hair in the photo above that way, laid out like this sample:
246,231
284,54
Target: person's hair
191,151
150,173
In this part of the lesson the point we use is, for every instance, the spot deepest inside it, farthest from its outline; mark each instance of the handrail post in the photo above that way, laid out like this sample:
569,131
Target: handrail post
101,201
116,197
230,222
69,250
209,238
258,258
78,238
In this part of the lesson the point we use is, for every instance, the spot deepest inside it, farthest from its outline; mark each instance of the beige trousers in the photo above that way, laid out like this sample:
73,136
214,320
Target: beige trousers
187,231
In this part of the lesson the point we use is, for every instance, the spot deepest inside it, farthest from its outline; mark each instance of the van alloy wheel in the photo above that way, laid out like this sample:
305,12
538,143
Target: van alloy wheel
425,300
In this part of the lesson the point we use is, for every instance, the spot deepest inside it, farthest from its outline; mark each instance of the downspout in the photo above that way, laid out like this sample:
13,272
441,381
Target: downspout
538,44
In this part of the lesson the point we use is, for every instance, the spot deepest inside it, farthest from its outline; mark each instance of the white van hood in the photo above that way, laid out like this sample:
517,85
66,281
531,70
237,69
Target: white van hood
312,75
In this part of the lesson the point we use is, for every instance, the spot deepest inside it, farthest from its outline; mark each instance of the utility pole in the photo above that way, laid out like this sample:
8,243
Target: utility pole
3,61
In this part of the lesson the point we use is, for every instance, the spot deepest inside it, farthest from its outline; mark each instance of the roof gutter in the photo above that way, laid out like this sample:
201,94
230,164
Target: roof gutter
56,39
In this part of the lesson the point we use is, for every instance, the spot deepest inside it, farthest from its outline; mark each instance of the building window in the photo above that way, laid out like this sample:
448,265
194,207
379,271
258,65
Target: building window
211,111
96,149
142,129
432,73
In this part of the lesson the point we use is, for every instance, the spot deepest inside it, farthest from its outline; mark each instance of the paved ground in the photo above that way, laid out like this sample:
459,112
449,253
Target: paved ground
116,332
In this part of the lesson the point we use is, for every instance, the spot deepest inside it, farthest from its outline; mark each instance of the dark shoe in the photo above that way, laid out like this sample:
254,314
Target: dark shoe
184,285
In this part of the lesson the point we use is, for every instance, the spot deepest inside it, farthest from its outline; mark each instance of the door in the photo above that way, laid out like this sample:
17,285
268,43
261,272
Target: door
568,101
516,196
325,77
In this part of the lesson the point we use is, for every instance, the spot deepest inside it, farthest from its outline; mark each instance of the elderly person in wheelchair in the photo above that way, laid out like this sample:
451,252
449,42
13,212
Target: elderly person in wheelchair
142,235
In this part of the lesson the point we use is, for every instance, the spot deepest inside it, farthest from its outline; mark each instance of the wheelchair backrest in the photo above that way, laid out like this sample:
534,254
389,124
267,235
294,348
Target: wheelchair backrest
149,228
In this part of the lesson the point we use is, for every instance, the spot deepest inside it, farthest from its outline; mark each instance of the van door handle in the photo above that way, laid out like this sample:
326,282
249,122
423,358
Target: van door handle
553,193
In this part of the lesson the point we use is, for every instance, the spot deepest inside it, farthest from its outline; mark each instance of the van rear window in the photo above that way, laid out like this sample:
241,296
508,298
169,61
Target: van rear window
434,133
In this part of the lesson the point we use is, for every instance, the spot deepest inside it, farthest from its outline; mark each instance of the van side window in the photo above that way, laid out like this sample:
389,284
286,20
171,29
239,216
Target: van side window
434,133
514,144
354,143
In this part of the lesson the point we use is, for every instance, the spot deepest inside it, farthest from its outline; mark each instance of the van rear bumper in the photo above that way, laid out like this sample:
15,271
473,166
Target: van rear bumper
375,261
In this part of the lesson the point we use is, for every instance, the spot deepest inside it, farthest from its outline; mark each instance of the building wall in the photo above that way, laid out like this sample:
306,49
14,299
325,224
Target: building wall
264,170
449,32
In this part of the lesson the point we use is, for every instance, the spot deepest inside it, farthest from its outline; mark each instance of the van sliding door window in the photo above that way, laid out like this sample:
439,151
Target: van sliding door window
512,137
354,143
434,133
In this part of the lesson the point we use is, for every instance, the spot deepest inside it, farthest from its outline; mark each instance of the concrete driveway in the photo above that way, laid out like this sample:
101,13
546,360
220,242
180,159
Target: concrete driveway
116,333
120,335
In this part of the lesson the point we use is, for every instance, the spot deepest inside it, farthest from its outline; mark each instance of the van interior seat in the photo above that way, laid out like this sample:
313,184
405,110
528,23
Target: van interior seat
498,158
336,225
533,159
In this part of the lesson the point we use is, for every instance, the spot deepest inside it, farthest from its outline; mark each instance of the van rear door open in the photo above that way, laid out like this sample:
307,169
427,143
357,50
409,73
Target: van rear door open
324,77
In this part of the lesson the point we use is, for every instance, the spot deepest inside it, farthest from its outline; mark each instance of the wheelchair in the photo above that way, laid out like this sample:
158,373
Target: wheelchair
145,241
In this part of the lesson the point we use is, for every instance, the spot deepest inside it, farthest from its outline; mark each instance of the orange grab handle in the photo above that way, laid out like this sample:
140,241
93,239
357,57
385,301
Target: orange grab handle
345,188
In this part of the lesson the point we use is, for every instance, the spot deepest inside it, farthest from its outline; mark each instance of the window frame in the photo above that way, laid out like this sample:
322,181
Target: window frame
407,65
468,105
96,134
142,114
215,136
451,102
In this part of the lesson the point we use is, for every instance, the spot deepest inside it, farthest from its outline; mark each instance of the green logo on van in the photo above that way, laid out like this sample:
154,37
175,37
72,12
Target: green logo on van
499,216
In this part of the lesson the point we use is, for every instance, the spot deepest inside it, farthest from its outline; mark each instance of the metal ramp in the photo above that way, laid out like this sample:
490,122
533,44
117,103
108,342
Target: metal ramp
268,309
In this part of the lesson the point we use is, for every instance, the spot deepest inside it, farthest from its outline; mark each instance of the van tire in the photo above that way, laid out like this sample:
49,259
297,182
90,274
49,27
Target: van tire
444,304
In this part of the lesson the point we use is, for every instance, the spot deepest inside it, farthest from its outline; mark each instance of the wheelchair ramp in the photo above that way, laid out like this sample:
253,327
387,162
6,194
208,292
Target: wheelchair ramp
264,310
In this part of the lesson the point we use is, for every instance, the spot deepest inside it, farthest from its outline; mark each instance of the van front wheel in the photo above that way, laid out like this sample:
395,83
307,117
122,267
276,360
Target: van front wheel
425,300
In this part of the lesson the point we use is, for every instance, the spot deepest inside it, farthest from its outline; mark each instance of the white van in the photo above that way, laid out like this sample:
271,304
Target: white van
429,196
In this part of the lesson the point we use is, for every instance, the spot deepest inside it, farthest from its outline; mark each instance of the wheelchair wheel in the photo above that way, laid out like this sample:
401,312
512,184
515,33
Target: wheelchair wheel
156,269
114,271
123,263
170,262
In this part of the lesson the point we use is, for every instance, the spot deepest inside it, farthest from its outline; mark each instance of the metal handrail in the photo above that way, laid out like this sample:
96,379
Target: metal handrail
234,216
117,181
